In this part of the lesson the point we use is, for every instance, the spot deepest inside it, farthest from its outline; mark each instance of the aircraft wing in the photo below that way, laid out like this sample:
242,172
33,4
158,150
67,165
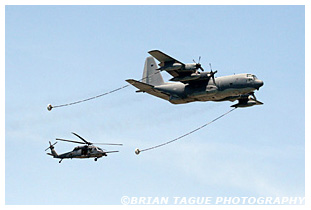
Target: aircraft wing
168,61
162,57
143,87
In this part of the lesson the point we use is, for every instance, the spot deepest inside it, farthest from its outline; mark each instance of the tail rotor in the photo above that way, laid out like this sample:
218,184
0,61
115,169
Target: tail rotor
51,146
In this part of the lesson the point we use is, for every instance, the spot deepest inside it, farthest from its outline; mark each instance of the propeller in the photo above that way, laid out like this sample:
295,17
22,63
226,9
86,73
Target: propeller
51,146
198,65
212,73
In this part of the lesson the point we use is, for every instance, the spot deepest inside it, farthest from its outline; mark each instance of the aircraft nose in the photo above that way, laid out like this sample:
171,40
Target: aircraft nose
258,83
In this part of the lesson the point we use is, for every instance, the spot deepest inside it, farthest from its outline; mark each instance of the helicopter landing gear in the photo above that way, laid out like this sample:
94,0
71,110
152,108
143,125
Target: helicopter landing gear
95,159
60,160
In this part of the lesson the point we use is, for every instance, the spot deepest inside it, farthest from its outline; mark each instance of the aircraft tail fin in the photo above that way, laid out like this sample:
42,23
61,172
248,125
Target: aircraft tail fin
151,75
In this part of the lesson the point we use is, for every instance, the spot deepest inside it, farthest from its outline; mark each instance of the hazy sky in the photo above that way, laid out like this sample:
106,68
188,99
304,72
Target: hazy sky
59,54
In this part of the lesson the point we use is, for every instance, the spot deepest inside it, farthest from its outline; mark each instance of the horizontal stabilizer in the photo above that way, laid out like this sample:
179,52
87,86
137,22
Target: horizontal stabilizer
143,87
140,85
49,154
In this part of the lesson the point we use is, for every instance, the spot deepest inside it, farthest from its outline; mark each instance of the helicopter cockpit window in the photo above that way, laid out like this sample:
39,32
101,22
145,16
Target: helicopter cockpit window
254,76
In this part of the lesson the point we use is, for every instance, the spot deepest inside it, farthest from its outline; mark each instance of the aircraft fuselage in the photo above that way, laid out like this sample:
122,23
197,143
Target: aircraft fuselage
225,88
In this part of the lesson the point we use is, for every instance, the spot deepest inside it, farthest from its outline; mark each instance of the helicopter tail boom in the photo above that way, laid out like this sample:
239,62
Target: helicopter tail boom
54,153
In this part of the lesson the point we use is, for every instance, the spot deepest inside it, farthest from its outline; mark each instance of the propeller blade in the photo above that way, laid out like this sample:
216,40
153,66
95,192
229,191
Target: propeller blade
214,80
78,142
198,65
81,138
212,73
214,77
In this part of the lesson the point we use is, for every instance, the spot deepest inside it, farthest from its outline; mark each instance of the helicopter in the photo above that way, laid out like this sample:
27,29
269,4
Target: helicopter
88,150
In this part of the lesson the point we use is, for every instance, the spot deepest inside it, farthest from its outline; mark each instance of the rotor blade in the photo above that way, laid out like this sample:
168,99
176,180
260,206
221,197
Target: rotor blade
201,68
108,144
111,151
81,138
78,142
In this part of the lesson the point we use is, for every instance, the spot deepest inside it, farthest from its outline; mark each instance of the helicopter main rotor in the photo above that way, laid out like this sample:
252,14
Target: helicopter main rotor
85,141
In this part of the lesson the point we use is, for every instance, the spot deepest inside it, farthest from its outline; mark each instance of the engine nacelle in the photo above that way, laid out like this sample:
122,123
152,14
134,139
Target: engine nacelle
193,76
190,67
173,67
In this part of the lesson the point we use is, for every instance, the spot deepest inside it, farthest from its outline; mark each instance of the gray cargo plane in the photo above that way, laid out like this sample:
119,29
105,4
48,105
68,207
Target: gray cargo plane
189,84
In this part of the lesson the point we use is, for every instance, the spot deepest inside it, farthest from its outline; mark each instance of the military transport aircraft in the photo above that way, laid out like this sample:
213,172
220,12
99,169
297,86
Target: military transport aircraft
189,84
86,151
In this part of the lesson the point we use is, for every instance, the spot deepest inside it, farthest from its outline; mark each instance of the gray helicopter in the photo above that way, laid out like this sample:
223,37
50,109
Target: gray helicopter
88,150
189,84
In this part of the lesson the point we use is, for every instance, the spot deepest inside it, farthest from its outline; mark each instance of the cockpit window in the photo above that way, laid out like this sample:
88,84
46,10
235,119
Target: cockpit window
254,76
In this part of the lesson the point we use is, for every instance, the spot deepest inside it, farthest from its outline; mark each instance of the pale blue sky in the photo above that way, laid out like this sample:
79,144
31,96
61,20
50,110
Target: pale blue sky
59,54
